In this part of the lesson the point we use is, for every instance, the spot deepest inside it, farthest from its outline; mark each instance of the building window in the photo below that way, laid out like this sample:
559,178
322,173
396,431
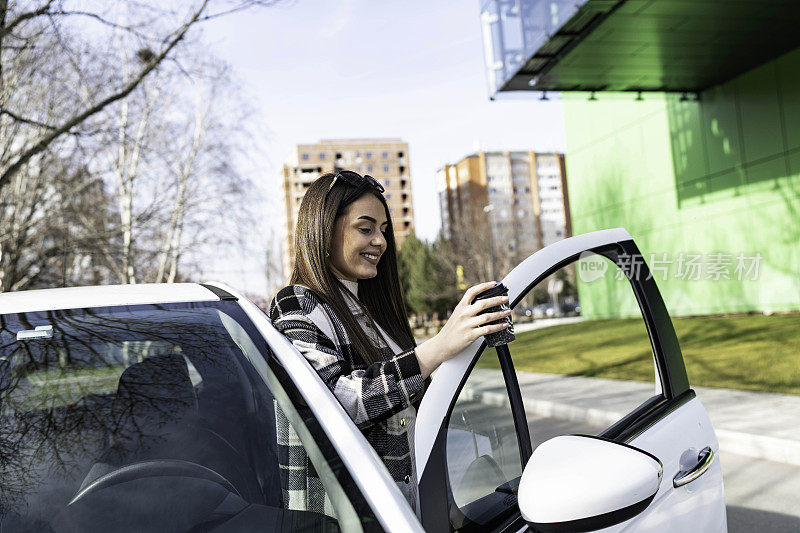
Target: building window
369,168
386,182
305,157
369,155
322,155
388,195
385,155
399,154
386,168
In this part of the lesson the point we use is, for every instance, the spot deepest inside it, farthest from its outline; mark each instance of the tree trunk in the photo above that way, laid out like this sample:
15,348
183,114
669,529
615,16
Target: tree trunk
170,251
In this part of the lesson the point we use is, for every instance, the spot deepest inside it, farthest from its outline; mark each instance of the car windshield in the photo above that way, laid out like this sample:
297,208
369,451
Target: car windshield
157,418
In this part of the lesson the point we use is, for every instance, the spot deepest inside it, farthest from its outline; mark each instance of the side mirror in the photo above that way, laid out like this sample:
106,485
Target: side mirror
583,483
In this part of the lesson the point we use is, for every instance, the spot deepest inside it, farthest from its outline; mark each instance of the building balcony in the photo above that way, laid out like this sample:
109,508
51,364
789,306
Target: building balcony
631,45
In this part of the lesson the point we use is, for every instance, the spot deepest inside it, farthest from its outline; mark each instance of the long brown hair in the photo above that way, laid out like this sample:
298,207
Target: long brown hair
381,296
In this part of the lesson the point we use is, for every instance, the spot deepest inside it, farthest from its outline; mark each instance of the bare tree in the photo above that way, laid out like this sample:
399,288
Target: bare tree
200,132
126,167
159,30
185,168
473,246
273,270
99,179
206,206
52,217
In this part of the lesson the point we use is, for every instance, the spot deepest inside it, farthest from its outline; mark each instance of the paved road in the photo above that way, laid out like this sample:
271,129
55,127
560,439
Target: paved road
761,495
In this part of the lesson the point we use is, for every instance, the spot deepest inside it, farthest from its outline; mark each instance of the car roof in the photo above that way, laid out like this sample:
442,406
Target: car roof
103,296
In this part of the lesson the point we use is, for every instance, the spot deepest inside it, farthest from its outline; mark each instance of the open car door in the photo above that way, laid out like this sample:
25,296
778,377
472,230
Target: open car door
473,443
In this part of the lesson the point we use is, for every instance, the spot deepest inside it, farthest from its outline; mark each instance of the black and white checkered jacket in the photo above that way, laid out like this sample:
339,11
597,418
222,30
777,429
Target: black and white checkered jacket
380,398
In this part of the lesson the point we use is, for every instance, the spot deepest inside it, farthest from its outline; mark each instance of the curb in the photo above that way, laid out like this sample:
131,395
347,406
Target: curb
736,442
759,446
546,408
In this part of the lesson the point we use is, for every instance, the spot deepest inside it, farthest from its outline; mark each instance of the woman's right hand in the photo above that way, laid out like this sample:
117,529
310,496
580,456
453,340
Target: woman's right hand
462,328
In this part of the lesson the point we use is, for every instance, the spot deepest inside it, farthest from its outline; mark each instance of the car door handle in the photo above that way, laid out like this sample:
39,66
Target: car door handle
704,460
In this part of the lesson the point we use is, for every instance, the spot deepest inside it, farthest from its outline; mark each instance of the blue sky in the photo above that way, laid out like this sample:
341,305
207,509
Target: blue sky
357,68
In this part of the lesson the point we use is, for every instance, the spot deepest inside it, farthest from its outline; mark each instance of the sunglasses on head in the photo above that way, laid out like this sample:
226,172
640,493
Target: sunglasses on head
356,180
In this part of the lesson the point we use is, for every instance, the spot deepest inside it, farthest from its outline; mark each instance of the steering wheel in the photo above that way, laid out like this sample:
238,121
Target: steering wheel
155,468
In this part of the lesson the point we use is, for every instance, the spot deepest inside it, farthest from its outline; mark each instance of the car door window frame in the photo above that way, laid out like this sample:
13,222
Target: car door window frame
667,355
501,521
436,488
668,361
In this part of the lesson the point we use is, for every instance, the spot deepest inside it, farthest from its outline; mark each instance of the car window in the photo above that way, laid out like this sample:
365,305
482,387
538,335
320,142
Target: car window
583,359
482,450
153,418
588,361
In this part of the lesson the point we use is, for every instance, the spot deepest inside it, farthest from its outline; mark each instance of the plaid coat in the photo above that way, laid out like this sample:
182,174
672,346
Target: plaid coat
380,398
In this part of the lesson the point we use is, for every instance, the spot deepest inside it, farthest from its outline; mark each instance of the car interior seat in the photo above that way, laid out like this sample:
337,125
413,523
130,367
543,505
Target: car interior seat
155,416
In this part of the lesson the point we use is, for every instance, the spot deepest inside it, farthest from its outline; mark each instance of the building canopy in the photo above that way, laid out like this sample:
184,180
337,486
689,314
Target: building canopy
631,45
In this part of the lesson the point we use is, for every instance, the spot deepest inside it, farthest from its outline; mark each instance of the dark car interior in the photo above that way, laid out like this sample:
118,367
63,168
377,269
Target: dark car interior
178,437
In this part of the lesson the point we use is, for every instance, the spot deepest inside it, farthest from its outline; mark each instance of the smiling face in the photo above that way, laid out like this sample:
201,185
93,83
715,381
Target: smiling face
358,241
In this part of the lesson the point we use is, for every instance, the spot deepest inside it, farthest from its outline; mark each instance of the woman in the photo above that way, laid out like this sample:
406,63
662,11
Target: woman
344,312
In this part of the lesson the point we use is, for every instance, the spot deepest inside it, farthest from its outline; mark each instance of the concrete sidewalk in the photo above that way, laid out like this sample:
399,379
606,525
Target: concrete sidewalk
754,424
540,323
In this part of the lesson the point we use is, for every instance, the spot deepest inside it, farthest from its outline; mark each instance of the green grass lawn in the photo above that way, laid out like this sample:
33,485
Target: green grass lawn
742,352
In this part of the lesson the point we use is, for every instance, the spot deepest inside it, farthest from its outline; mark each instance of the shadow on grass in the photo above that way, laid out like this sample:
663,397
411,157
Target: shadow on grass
741,352
595,370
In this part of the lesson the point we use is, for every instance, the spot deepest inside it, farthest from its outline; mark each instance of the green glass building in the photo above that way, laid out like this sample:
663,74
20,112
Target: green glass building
682,123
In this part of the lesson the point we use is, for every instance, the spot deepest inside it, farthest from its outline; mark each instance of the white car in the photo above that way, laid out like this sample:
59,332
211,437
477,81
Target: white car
172,407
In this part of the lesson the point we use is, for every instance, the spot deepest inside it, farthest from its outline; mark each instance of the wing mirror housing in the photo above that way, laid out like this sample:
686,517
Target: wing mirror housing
585,483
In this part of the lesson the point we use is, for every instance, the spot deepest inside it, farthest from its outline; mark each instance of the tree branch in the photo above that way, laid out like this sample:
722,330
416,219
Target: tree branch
43,143
103,21
22,17
24,120
241,7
